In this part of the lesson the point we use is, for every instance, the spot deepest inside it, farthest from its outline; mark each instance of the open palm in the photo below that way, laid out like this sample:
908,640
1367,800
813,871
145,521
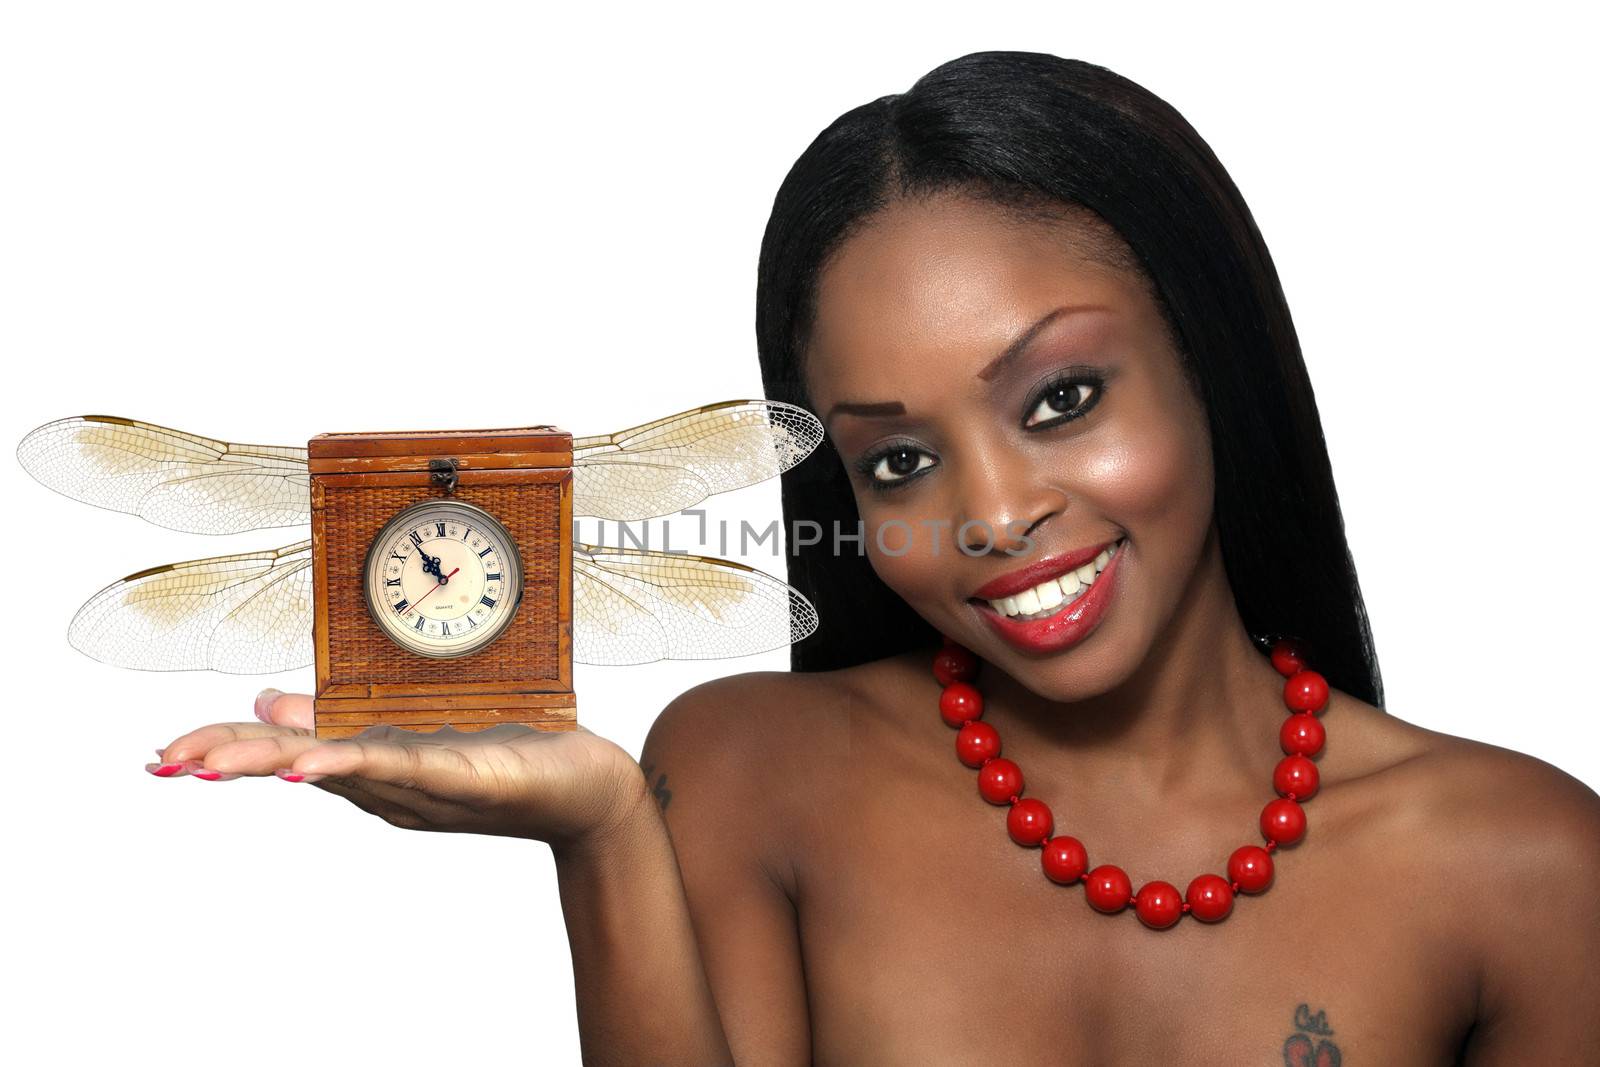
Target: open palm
510,781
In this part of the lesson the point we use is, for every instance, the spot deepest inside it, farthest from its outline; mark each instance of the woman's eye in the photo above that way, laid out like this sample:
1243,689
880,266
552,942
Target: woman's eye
897,463
1072,398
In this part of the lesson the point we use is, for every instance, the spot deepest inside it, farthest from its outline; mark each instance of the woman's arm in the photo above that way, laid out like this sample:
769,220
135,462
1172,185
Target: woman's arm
684,946
641,989
724,764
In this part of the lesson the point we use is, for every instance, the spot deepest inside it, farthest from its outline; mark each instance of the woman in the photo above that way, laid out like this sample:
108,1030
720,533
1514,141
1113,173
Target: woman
1065,399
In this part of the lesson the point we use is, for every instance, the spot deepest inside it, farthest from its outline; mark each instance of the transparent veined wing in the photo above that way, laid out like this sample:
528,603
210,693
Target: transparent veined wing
248,613
634,605
676,462
174,479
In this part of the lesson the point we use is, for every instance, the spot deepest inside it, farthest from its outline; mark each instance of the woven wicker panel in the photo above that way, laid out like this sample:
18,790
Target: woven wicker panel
528,651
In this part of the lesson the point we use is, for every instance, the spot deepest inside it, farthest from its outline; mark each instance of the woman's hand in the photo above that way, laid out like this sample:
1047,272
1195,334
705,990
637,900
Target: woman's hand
564,787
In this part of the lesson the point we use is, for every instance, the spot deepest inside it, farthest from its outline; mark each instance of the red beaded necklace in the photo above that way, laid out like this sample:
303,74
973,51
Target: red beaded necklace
1158,905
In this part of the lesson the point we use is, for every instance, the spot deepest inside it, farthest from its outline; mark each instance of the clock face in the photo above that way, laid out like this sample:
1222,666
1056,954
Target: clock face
443,578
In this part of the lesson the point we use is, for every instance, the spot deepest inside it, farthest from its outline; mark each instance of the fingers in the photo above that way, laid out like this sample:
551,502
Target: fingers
402,759
444,780
176,769
387,772
233,749
197,743
280,714
285,709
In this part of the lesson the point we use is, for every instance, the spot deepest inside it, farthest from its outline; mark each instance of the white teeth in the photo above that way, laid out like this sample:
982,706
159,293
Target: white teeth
1050,596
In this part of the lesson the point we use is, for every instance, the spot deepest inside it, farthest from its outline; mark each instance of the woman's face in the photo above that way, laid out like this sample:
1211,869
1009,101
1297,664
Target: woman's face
1085,436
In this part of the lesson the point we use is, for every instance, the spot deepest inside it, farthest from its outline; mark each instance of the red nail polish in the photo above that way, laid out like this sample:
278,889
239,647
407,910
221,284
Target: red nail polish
165,770
209,776
288,775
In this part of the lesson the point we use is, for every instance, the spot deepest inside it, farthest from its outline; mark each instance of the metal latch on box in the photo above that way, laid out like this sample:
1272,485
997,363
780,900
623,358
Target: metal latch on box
444,474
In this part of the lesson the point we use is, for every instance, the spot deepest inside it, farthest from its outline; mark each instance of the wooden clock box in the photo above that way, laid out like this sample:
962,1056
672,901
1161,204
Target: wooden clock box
359,482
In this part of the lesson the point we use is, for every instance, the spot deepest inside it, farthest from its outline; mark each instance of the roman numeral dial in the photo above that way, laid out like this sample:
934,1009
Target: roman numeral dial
443,578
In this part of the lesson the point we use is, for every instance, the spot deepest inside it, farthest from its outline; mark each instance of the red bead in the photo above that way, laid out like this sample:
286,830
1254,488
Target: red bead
960,703
1029,821
1288,657
1064,859
1306,691
1283,821
1251,867
1294,774
977,742
1210,897
1302,734
999,780
954,664
1108,888
1158,905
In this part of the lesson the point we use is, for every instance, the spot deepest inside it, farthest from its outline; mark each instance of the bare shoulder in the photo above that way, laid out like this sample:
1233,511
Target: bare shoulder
746,715
1482,803
1507,850
774,721
1506,801
771,718
753,755
1503,845
1517,816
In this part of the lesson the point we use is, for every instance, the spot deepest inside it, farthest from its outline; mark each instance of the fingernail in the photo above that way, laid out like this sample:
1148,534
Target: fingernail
295,776
164,770
214,776
264,701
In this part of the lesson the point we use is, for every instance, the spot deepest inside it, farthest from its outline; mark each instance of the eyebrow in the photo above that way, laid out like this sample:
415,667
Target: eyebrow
1018,346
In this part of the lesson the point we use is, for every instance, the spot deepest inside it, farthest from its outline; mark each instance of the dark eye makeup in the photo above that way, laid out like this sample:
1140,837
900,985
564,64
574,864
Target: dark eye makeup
1064,397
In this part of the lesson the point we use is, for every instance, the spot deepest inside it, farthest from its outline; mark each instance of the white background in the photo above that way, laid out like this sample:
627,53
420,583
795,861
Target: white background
261,221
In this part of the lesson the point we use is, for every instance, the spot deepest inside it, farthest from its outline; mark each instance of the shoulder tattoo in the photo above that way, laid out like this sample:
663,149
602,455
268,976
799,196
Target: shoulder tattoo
659,788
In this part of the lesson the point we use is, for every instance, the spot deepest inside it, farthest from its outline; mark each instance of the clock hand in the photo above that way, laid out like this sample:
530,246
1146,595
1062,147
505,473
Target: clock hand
430,564
444,579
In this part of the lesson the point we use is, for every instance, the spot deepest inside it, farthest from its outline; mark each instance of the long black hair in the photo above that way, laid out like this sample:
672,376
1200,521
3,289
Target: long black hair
1026,126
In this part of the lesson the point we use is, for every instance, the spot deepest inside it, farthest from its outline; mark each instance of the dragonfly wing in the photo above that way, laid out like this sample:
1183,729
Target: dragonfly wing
676,462
248,613
174,479
638,606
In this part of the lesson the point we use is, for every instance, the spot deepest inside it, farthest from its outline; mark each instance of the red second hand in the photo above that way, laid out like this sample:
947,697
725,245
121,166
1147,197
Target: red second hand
429,593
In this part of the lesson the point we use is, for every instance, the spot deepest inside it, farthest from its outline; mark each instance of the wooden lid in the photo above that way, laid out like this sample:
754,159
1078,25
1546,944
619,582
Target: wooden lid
453,443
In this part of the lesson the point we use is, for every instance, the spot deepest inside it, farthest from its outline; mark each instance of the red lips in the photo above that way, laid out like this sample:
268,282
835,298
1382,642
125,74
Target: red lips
1039,571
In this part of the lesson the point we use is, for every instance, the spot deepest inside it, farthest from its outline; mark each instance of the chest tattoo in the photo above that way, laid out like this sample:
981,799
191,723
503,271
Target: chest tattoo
1311,1044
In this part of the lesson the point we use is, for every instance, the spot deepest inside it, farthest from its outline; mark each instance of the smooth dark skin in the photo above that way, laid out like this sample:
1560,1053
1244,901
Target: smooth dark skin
852,898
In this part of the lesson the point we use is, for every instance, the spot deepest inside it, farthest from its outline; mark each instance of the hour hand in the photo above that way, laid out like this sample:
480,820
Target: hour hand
430,565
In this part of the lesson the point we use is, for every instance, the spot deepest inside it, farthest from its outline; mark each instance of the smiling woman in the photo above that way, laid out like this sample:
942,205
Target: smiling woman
1052,352
1050,348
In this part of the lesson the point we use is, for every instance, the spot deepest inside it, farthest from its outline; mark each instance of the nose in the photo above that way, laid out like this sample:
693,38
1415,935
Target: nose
1004,507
